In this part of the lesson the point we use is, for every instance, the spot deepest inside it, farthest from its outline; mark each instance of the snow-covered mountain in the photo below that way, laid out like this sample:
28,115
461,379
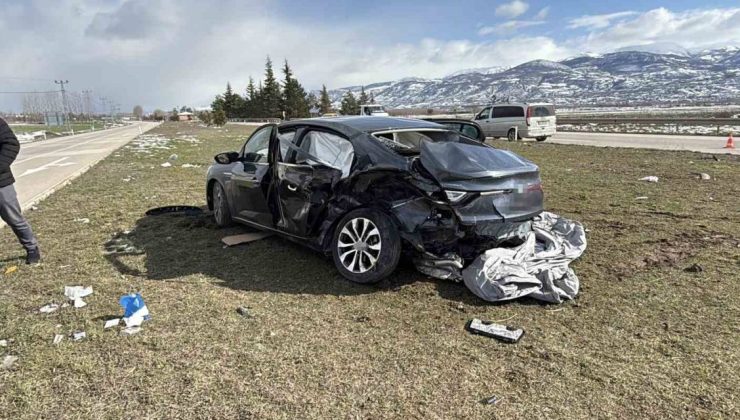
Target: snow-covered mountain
619,78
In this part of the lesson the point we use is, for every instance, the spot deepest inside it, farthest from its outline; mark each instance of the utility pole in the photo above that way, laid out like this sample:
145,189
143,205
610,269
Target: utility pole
61,83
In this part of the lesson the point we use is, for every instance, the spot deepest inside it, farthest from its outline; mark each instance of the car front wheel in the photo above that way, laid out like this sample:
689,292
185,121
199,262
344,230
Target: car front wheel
221,212
366,246
511,135
541,138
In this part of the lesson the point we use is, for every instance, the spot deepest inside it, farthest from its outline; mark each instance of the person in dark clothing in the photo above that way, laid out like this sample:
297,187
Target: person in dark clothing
10,208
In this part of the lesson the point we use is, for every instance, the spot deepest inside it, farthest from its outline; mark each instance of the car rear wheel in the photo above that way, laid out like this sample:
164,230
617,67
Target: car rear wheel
366,246
221,212
541,138
511,135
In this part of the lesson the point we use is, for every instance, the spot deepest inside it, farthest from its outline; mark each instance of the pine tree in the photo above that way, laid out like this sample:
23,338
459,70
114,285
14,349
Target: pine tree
294,101
313,101
218,103
219,117
349,104
251,106
232,103
271,96
363,100
372,97
324,101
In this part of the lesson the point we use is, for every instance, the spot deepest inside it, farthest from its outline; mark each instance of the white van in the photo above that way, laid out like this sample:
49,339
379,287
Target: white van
518,121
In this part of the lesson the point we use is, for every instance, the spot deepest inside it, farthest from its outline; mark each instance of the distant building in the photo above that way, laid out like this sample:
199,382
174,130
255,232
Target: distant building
185,116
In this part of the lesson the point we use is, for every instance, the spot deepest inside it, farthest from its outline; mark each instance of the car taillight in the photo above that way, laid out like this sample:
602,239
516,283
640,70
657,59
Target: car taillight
529,115
534,187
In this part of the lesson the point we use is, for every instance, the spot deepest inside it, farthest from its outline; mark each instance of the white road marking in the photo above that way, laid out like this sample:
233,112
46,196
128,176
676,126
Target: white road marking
56,164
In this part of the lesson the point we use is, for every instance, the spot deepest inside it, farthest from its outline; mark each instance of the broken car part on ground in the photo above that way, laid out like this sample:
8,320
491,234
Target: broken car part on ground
364,190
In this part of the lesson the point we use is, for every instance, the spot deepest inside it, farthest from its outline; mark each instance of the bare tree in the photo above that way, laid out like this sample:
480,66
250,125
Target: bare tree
138,112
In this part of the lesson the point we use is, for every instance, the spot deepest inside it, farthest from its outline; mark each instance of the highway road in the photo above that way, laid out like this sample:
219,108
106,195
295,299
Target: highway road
44,166
704,144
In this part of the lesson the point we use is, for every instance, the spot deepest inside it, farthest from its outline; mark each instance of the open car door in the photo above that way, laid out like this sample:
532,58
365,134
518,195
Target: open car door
305,178
251,177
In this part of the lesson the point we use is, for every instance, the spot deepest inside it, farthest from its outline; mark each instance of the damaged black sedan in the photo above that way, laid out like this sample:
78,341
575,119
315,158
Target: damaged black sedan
366,189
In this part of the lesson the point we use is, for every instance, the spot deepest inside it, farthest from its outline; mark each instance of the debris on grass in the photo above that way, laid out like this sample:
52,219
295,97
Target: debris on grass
9,361
3,343
135,310
497,331
704,176
83,220
642,197
650,179
694,268
111,323
173,157
47,309
130,330
79,335
76,293
243,311
491,400
244,238
190,165
166,165
57,339
10,270
186,210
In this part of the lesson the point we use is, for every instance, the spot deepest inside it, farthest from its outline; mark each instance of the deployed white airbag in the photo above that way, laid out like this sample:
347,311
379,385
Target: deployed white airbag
538,268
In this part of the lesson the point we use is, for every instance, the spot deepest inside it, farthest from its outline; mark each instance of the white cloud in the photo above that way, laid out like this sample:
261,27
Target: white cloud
690,29
508,27
511,10
597,21
542,14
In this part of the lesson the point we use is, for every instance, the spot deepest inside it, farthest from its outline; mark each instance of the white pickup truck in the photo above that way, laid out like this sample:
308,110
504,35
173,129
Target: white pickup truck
373,110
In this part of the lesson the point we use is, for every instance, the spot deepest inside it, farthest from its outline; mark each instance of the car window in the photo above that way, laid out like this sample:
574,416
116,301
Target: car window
259,144
543,111
408,143
508,111
326,149
483,114
285,138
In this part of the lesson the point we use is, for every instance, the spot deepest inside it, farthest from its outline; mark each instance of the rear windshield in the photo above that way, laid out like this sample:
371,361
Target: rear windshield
542,110
409,142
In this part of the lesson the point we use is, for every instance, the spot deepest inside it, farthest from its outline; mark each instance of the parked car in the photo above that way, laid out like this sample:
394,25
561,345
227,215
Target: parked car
518,120
373,110
466,127
364,189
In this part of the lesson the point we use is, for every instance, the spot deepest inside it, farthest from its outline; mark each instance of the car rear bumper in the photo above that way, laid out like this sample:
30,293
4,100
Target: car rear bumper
535,131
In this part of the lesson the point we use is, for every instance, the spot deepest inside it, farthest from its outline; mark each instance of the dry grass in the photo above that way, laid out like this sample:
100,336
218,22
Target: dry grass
644,338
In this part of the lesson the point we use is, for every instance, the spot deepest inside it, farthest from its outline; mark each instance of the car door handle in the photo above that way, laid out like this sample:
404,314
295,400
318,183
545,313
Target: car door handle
292,188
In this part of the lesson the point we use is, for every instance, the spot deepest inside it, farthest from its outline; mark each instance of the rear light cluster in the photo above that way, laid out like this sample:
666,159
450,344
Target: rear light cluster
529,115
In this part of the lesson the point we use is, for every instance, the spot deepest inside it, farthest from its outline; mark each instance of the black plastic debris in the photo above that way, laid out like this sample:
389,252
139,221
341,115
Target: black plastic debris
243,311
491,400
694,268
185,210
497,331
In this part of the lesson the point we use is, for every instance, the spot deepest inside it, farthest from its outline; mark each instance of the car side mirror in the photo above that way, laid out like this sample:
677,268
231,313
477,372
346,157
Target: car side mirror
226,158
252,157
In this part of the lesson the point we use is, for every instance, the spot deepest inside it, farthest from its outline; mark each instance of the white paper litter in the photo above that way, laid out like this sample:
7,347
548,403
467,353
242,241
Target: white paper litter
166,165
642,197
111,323
76,293
57,339
47,309
538,268
131,330
9,361
3,343
650,179
83,220
77,336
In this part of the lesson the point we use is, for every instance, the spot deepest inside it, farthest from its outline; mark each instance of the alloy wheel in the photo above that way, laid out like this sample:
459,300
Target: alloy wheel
359,245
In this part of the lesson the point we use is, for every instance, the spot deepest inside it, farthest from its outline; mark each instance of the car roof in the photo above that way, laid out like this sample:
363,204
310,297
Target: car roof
524,104
351,125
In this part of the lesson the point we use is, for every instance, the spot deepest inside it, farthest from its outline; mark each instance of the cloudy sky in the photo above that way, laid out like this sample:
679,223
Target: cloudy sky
162,53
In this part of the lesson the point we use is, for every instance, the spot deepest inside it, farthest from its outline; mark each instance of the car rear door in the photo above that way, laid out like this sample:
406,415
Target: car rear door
250,179
312,165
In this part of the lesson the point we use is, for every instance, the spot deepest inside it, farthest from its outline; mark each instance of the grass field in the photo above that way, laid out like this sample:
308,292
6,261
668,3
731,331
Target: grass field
643,339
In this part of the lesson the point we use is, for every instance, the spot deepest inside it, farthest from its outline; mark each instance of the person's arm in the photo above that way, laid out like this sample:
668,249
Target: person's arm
9,146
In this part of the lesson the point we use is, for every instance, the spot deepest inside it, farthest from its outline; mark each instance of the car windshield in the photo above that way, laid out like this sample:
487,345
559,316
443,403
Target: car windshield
408,142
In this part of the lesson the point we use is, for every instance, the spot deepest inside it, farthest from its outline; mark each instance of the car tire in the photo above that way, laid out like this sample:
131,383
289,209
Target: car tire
496,137
221,212
366,246
511,135
542,138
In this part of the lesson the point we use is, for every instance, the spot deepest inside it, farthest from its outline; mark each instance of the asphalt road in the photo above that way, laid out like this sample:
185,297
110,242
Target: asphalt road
704,144
44,166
